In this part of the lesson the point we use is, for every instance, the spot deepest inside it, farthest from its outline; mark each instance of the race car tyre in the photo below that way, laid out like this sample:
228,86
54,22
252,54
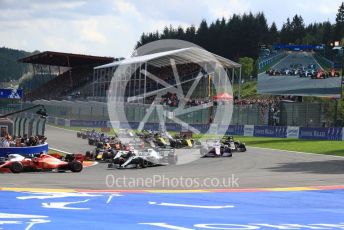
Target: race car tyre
16,167
144,164
75,166
105,156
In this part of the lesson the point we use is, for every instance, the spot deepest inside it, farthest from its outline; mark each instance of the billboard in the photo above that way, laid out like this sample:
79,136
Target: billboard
299,74
11,93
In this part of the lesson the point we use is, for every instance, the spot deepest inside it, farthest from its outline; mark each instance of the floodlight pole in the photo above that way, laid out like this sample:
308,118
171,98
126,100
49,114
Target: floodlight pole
239,82
22,110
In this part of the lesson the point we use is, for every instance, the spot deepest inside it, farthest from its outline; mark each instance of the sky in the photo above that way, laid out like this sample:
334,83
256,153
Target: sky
113,27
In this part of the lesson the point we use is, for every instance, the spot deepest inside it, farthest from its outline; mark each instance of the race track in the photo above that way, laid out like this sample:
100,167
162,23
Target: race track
295,85
256,168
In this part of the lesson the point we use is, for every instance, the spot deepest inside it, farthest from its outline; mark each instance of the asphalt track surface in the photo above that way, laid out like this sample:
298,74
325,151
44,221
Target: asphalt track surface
295,85
256,168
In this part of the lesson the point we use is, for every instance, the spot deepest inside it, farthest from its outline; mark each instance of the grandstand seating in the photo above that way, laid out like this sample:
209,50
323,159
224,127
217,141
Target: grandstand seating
62,85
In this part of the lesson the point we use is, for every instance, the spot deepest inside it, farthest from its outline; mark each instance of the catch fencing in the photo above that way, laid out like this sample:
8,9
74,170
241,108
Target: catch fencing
286,113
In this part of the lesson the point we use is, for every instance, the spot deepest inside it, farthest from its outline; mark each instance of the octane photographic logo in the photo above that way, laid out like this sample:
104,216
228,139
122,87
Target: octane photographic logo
157,79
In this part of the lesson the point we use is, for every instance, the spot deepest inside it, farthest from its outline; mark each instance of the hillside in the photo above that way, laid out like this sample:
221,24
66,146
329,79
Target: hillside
10,69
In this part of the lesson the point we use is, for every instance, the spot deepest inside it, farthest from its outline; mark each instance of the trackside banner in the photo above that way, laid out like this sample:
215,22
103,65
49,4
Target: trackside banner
24,150
293,132
11,93
232,129
336,134
321,133
270,131
86,123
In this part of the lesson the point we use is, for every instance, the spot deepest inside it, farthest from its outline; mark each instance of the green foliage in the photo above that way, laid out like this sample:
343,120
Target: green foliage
247,90
309,146
10,69
236,37
247,66
241,35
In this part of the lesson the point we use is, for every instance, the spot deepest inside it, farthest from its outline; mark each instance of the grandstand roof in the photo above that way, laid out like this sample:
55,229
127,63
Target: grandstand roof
65,59
181,56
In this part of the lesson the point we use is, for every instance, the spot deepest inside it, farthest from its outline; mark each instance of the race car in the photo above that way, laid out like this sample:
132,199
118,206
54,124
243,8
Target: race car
82,133
16,163
181,142
143,159
214,148
103,152
320,74
333,73
234,145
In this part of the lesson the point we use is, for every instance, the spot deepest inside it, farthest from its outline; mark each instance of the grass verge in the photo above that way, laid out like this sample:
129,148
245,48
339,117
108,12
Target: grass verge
309,146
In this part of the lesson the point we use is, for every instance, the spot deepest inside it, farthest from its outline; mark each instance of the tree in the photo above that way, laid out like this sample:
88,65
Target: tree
339,27
273,34
246,66
202,34
297,29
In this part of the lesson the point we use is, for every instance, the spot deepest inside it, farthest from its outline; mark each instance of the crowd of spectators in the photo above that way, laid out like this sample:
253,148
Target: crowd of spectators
169,99
24,141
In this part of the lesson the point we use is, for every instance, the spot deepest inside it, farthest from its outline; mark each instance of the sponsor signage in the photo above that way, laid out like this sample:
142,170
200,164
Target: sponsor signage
292,132
11,93
270,131
321,133
88,123
248,130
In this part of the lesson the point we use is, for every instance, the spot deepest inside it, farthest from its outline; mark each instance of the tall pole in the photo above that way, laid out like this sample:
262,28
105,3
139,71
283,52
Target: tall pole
239,82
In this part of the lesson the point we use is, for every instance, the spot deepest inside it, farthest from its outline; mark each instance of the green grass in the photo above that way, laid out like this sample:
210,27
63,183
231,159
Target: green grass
247,90
309,146
325,65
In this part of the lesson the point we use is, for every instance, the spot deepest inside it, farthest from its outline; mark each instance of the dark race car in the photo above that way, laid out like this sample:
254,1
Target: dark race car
235,145
103,152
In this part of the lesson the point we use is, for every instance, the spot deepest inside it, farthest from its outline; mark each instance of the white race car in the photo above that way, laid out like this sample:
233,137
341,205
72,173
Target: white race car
144,158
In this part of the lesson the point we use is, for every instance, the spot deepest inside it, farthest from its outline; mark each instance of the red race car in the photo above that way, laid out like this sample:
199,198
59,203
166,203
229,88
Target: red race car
16,163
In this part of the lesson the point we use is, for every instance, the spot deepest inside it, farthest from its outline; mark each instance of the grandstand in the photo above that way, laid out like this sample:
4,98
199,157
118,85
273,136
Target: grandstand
189,63
70,72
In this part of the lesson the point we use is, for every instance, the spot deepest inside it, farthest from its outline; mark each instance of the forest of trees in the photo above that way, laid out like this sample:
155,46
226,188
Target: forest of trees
10,68
242,35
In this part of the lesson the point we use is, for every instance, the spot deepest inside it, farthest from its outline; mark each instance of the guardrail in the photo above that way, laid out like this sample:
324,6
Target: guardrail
317,133
269,60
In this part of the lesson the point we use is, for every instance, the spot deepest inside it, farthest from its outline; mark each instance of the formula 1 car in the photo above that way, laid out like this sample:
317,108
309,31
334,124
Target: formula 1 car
320,74
214,148
333,73
82,133
103,152
182,142
234,145
16,163
143,159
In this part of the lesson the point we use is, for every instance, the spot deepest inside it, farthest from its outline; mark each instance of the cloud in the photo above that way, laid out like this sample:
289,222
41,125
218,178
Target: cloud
112,27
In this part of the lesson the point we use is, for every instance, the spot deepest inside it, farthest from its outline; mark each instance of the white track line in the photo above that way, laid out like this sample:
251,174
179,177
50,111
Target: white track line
317,62
290,151
59,150
62,128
